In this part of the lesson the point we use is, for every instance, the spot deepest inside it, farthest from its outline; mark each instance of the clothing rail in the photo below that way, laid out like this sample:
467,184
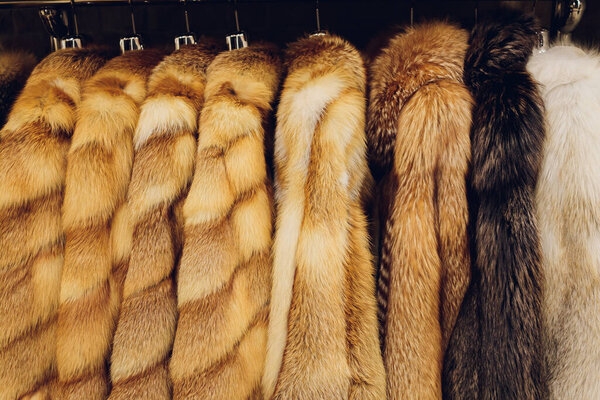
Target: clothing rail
41,3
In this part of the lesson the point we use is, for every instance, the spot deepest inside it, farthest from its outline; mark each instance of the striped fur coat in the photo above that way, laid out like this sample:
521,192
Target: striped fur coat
96,224
418,136
322,339
165,149
33,148
224,278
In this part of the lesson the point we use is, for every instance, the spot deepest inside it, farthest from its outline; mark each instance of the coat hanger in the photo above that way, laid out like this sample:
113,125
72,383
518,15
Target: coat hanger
412,13
543,35
134,41
476,12
567,14
319,31
188,37
54,23
72,41
238,39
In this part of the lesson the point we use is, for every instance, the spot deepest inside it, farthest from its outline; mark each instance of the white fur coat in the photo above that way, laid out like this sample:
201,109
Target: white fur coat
568,209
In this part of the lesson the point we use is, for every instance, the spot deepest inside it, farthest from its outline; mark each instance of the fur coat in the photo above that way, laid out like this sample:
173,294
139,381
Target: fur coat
569,219
322,341
33,148
97,229
224,277
495,350
15,68
165,148
418,137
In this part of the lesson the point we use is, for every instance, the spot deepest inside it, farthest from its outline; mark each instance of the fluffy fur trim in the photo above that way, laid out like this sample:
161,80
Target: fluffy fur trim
15,68
495,349
224,278
165,148
33,148
322,340
419,126
97,229
569,218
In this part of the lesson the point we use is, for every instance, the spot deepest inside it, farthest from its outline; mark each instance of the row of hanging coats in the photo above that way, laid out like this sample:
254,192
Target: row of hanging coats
196,225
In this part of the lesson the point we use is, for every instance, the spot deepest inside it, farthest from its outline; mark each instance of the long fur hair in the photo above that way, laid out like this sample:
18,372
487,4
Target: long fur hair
97,229
569,219
495,349
224,278
418,136
322,341
15,67
33,148
165,148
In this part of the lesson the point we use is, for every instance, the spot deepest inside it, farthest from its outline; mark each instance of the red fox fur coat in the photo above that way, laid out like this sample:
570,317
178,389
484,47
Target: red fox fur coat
322,341
97,229
165,148
224,277
418,136
33,148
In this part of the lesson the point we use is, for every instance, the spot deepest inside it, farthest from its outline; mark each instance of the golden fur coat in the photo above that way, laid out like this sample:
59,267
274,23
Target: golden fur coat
418,136
165,148
566,199
96,224
33,148
322,341
224,277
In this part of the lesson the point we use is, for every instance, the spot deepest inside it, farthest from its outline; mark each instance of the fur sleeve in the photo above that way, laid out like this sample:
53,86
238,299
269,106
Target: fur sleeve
96,223
508,132
15,68
165,147
567,206
419,125
224,277
323,327
33,147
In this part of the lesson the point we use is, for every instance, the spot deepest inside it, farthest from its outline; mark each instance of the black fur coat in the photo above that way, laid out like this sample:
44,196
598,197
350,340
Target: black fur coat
494,351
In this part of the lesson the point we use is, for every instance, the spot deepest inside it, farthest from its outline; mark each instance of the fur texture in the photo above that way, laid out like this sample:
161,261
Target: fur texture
322,341
15,68
418,136
33,147
224,279
96,224
569,218
495,349
165,148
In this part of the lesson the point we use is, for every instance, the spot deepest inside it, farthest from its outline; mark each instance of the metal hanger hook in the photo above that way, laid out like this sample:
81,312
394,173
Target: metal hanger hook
75,23
476,11
132,17
412,13
317,15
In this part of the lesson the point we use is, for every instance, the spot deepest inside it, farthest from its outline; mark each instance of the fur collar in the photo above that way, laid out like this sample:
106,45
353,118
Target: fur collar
413,59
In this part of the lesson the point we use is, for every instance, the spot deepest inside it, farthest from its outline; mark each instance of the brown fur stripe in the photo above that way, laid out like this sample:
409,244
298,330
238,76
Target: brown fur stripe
419,124
165,142
224,276
33,147
94,219
322,340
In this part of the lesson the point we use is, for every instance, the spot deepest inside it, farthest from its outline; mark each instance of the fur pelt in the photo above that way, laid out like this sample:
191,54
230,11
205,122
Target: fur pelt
96,224
15,67
418,136
322,341
495,349
569,219
224,278
33,147
165,148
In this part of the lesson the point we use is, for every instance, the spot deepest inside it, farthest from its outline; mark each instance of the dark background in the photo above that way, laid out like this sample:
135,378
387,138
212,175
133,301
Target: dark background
279,21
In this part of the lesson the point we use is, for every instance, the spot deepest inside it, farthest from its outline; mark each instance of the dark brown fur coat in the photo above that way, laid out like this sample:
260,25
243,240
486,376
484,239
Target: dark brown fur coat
322,341
495,349
96,223
165,148
33,149
418,136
